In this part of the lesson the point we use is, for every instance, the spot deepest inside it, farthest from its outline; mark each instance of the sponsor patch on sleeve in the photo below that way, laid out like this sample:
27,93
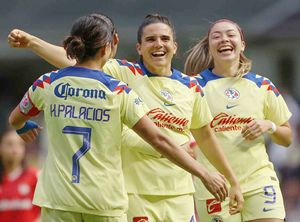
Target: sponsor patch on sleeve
27,107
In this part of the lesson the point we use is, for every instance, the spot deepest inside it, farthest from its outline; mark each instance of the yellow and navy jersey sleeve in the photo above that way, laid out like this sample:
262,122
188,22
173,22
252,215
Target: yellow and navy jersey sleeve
123,70
133,108
276,109
201,112
34,99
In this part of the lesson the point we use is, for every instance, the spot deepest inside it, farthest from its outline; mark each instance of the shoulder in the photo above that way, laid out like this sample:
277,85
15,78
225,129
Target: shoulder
133,67
189,81
45,79
206,76
115,85
262,82
30,173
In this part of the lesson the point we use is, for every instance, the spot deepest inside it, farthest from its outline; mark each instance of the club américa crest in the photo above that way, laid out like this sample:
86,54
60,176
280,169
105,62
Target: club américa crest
232,93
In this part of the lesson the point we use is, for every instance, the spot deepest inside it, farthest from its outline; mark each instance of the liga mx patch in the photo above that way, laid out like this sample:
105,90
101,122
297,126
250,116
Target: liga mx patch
213,206
26,106
140,219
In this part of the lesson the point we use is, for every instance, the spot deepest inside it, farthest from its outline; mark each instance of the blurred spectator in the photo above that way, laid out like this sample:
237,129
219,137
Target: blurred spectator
291,194
288,157
17,181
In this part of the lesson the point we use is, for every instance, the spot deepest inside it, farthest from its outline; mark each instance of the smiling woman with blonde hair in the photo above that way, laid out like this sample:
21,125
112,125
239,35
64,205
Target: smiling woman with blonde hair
244,106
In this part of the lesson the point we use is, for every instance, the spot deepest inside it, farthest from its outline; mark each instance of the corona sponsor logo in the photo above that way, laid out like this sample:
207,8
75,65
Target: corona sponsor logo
163,116
223,119
65,90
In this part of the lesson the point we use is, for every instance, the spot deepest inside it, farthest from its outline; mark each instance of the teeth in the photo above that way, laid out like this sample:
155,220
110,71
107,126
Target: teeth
158,53
225,49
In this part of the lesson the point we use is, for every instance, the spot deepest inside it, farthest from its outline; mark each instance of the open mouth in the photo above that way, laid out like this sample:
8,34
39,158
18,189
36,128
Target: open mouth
225,49
158,54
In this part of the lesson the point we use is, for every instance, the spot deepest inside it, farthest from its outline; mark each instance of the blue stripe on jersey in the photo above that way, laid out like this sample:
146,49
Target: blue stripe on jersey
176,75
134,68
205,76
262,81
111,83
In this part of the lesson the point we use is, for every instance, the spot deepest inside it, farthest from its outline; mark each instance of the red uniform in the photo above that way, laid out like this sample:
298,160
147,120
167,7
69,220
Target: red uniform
16,197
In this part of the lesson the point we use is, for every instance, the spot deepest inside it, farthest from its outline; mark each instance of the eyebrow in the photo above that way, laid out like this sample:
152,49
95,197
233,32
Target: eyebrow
229,30
154,35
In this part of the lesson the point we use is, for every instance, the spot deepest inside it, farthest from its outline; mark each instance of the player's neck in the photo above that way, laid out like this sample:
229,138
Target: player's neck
159,70
226,69
12,169
91,64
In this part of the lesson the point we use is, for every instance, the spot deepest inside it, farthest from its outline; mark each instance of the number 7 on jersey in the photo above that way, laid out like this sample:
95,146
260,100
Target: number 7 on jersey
86,133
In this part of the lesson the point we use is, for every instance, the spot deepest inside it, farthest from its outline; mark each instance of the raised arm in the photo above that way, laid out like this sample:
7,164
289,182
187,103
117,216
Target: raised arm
146,129
53,54
207,142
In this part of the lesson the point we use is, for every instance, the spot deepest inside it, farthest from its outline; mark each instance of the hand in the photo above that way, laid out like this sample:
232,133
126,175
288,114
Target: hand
190,148
29,131
255,129
236,200
19,39
215,183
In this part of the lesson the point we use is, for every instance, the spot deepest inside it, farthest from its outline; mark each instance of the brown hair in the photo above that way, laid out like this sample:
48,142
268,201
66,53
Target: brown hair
199,58
88,35
152,19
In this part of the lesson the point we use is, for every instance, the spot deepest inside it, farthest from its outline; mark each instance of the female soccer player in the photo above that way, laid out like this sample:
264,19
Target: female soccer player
244,106
17,180
158,190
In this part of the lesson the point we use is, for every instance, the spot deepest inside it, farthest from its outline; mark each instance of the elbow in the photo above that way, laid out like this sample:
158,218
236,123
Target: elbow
14,121
11,120
287,143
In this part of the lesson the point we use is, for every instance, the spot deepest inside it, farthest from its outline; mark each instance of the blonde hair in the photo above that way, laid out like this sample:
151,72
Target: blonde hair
199,58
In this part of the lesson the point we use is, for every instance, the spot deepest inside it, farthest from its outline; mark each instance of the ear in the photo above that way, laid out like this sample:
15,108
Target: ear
243,46
175,47
116,39
138,48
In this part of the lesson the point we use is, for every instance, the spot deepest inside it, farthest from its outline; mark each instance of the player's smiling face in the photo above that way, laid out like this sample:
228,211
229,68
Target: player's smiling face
157,48
225,42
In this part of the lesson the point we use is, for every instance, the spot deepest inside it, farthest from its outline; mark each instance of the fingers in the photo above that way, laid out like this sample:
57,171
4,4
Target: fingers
235,206
251,131
13,38
30,135
18,39
236,201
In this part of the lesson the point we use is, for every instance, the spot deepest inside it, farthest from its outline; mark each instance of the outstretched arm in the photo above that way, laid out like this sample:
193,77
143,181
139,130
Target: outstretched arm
53,54
146,129
207,141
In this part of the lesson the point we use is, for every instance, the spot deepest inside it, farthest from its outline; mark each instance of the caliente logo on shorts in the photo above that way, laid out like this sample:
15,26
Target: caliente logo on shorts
140,219
213,206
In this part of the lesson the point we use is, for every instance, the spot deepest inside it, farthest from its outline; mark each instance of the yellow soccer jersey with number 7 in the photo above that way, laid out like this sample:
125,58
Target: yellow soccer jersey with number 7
84,110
